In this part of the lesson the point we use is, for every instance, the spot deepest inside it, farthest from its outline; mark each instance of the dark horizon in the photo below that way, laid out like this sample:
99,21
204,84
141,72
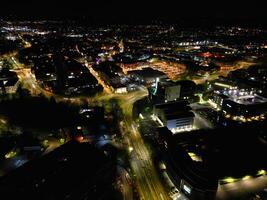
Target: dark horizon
140,12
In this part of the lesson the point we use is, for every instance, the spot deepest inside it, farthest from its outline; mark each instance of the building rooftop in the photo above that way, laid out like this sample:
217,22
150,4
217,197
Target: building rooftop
174,104
148,73
244,97
249,99
207,158
179,114
235,152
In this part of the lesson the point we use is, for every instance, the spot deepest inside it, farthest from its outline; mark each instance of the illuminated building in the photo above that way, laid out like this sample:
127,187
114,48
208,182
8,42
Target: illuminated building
167,91
176,116
241,104
204,163
173,70
113,76
147,76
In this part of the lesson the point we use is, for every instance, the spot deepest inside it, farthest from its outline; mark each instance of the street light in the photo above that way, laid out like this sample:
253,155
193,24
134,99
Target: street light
246,178
130,149
261,172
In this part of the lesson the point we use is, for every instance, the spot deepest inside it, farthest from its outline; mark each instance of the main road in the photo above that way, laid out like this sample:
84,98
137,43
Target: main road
146,177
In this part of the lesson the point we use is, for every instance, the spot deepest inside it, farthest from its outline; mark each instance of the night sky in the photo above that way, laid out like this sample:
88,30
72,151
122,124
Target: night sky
139,10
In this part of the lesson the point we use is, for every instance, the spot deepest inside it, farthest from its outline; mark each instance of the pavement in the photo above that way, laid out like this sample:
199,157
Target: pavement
201,122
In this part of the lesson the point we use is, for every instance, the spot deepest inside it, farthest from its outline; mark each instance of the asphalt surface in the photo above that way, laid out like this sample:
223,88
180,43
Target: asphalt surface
147,180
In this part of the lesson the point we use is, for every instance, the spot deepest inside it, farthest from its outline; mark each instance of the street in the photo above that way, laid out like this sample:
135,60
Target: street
146,177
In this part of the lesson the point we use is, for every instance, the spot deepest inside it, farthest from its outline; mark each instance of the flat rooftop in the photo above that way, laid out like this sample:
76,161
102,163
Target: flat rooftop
249,99
245,98
226,152
204,157
172,105
175,115
148,73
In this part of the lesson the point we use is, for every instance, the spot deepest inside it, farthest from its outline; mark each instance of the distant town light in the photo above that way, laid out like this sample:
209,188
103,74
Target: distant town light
10,154
62,140
261,172
246,178
229,180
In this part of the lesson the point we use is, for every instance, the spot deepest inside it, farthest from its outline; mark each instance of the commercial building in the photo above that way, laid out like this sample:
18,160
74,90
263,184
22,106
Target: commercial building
167,91
147,76
243,105
218,99
245,110
176,116
209,163
113,76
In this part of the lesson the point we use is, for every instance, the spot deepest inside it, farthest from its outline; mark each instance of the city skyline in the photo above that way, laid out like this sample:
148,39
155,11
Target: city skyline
142,101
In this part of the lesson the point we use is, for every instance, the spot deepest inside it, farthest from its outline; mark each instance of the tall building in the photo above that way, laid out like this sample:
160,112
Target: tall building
168,91
216,164
242,105
176,116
